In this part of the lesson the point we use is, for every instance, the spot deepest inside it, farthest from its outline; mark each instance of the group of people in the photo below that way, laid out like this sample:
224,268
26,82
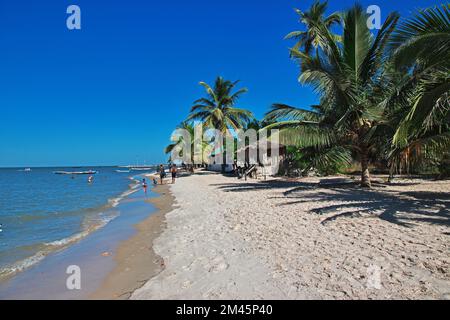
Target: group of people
162,174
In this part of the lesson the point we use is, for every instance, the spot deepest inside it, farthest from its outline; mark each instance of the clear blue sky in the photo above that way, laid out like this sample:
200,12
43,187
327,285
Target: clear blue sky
112,92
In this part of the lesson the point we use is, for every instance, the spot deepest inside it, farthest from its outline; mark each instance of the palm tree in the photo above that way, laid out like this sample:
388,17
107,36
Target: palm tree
350,80
313,17
421,100
217,110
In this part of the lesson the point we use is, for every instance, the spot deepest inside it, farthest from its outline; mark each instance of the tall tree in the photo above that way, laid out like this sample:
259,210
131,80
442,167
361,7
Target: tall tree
349,78
217,110
315,16
419,103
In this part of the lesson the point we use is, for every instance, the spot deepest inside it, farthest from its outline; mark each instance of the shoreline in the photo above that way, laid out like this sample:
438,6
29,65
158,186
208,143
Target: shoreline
93,219
135,259
114,260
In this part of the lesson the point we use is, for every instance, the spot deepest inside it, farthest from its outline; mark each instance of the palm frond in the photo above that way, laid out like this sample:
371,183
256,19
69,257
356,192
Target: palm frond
422,36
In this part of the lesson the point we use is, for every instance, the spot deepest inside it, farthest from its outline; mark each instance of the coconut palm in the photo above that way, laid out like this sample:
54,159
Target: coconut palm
350,79
217,110
421,101
309,39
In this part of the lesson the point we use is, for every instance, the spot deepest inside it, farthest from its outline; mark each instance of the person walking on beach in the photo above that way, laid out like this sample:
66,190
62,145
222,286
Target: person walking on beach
144,185
162,173
173,170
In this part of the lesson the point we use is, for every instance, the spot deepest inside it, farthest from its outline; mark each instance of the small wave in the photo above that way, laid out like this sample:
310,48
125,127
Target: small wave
90,225
53,246
115,202
22,265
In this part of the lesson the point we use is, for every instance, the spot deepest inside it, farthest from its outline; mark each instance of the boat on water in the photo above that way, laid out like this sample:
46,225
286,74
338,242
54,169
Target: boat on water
141,168
123,171
75,172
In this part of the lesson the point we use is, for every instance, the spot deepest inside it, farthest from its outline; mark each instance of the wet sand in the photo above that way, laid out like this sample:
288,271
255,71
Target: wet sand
136,262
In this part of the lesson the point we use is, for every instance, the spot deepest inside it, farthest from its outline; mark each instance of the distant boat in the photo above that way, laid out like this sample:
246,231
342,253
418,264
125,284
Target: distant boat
27,169
138,167
123,171
141,168
75,172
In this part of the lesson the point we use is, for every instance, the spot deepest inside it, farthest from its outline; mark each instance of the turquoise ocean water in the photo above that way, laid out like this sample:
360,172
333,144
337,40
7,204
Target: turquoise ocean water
41,212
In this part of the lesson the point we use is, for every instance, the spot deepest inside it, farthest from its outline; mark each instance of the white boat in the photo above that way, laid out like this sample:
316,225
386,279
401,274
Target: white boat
75,172
123,171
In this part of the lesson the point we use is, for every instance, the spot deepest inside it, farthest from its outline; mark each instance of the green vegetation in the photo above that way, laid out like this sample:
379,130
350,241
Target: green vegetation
384,98
217,110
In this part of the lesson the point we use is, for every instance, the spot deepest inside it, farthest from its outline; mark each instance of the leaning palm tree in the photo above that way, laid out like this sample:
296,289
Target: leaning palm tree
310,39
349,77
217,110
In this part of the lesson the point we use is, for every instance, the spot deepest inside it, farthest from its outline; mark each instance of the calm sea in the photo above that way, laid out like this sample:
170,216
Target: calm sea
41,212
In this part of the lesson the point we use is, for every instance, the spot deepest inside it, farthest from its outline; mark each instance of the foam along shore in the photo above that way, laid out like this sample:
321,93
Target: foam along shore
308,239
114,260
135,260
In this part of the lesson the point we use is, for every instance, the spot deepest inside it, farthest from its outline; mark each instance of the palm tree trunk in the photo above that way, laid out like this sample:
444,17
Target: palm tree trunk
391,174
224,154
365,174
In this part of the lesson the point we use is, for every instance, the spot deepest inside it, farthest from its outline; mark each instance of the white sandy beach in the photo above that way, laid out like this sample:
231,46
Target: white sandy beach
231,239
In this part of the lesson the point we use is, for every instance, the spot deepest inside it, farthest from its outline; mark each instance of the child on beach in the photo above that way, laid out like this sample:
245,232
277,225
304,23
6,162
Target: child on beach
144,185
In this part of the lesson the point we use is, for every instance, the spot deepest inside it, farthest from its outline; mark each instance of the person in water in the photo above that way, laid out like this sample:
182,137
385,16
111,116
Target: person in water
173,170
90,179
144,185
162,173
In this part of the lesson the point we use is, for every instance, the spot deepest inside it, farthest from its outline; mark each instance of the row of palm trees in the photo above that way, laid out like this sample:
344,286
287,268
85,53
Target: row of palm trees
383,97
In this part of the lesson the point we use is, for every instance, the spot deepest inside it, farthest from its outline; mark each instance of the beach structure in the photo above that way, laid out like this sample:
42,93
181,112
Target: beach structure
252,158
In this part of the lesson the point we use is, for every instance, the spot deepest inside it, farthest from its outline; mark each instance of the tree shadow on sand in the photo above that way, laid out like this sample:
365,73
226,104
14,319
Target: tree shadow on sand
400,207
